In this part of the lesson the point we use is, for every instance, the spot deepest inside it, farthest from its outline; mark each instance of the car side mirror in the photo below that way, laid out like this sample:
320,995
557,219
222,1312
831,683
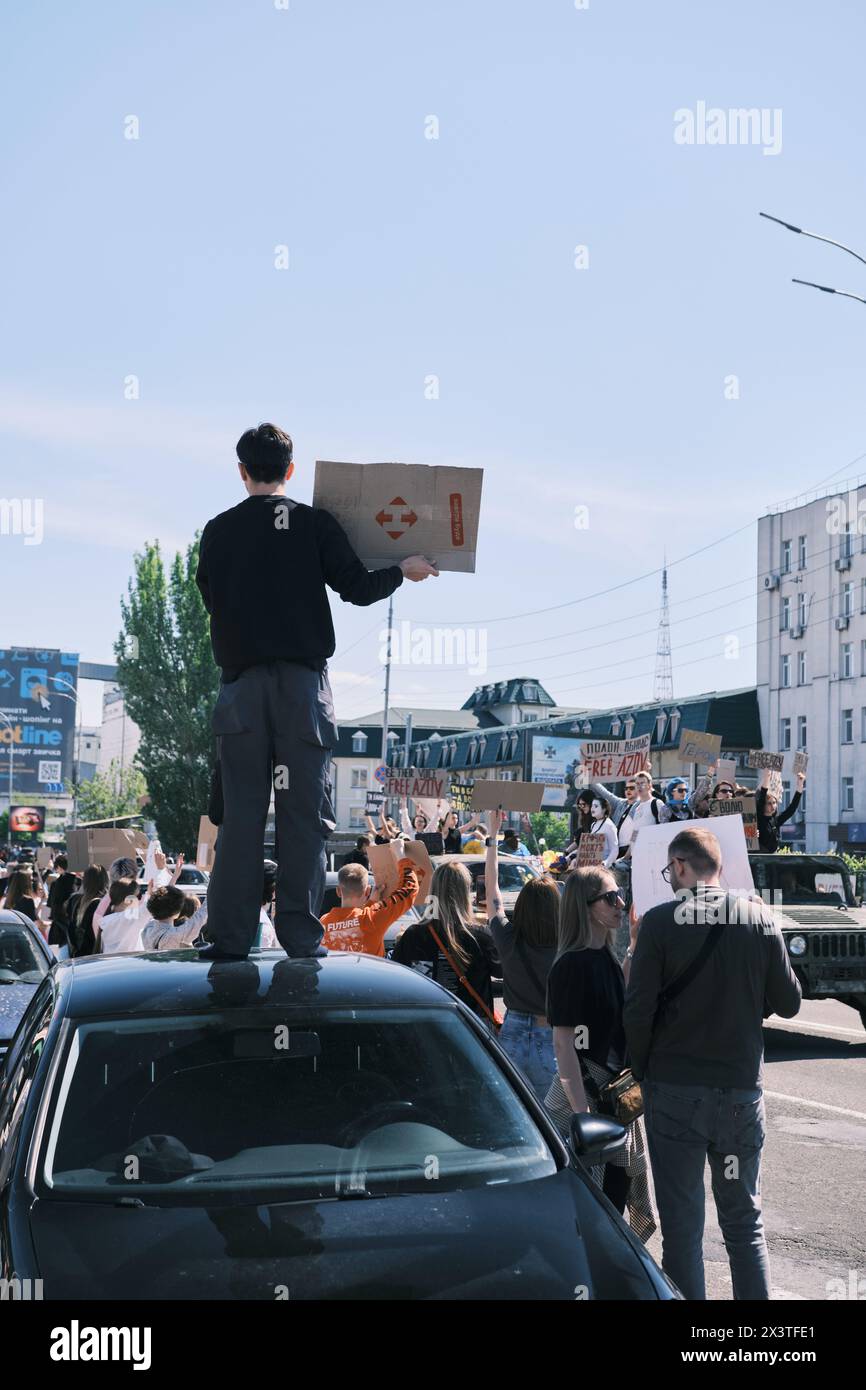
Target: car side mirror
596,1137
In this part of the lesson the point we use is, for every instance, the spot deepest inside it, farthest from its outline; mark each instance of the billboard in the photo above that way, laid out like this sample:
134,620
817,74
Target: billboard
26,824
38,691
555,762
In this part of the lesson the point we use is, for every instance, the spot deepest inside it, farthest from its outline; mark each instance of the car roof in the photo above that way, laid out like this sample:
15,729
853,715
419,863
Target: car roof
178,982
10,918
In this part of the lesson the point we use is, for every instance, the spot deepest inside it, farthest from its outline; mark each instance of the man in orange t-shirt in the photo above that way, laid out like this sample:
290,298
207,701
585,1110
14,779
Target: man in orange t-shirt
359,925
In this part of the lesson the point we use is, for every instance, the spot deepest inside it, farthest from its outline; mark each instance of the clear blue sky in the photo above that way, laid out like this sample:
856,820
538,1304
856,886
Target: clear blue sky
601,387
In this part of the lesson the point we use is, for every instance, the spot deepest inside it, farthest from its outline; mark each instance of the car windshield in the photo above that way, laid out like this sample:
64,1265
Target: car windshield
188,876
20,961
803,881
338,1103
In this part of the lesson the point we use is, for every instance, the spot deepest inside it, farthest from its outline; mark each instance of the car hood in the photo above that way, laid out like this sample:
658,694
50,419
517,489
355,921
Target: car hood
484,1243
13,1001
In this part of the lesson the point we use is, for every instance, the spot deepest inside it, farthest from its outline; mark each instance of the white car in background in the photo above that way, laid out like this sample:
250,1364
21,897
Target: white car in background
192,880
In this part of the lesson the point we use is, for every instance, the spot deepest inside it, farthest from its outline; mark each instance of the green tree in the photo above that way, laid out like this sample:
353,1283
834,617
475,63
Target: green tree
551,826
170,683
116,792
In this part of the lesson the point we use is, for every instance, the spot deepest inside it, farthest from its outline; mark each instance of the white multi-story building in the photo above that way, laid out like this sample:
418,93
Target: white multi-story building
119,736
812,658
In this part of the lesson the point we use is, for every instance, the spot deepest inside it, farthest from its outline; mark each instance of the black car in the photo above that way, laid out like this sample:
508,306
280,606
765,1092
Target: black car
24,961
338,1128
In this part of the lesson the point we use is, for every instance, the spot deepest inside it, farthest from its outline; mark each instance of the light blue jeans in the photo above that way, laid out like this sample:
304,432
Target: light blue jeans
530,1047
685,1126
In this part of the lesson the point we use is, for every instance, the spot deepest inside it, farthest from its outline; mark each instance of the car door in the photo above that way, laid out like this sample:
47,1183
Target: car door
19,1069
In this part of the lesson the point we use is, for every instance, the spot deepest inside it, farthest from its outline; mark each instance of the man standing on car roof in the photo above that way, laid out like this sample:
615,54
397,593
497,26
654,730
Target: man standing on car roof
262,572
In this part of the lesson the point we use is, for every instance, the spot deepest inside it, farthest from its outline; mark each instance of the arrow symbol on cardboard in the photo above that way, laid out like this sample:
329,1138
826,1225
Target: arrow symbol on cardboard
407,518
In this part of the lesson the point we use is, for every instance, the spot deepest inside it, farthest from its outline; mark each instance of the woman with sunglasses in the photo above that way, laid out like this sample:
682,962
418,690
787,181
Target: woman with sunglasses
585,993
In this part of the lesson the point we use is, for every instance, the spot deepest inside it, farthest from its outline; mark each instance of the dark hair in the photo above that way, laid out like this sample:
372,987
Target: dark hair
265,453
536,912
190,907
362,842
120,890
165,903
61,862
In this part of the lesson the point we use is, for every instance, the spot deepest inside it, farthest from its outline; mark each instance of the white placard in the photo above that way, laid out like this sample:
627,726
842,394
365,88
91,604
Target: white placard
649,855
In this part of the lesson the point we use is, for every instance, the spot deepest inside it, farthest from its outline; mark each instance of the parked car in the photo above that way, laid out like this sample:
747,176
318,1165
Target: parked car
178,1131
192,880
25,960
824,929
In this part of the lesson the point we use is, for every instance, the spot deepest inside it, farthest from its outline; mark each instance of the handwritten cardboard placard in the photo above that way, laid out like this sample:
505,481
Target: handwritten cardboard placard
460,794
726,771
384,861
759,757
590,850
696,747
613,759
206,846
801,760
745,806
489,794
420,786
416,850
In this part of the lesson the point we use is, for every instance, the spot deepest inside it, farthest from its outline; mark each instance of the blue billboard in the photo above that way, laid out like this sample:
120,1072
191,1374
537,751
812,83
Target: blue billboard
38,702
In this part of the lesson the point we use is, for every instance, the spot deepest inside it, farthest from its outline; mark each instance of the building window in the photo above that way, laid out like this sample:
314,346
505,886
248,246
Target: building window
846,601
359,742
784,735
802,731
786,557
615,726
801,610
359,778
847,546
801,668
847,664
785,672
801,553
847,793
863,724
847,726
357,817
785,615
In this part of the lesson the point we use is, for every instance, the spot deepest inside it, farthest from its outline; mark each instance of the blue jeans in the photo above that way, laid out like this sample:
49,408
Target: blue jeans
530,1047
685,1126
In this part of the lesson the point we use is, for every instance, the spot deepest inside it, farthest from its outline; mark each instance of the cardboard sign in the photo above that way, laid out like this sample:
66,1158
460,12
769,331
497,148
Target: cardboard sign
745,806
591,850
460,795
488,794
206,846
420,786
758,757
384,860
416,850
701,748
101,846
374,803
801,760
774,786
649,856
391,510
726,771
613,759
43,857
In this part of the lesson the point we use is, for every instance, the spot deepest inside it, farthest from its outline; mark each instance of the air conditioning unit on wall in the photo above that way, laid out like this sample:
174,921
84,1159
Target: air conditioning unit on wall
772,581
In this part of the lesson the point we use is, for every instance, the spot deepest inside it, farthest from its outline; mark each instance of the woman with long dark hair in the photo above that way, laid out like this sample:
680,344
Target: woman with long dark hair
82,908
585,994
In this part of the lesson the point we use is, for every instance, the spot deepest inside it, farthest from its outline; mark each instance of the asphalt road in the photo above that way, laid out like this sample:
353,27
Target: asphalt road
814,1170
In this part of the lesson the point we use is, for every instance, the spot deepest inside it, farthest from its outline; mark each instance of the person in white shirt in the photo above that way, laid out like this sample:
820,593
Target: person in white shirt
163,932
118,929
646,810
603,825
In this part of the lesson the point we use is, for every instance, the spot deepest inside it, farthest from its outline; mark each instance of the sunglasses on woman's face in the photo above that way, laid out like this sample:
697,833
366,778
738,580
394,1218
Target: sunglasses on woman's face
611,898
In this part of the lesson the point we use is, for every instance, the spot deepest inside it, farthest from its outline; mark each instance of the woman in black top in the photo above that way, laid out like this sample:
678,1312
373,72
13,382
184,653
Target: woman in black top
81,909
581,819
464,958
770,819
527,947
585,992
21,894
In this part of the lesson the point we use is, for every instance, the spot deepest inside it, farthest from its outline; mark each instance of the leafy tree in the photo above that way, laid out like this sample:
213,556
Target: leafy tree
551,826
117,792
170,683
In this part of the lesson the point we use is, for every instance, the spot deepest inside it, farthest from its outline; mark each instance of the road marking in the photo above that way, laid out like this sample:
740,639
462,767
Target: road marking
773,1022
815,1104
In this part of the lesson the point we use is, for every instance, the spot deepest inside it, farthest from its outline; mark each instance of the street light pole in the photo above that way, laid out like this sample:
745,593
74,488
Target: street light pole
801,231
7,720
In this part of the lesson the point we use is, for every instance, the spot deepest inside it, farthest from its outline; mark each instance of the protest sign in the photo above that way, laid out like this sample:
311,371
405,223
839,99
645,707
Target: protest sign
416,850
206,845
801,760
590,850
460,795
744,806
649,856
417,784
774,786
555,762
43,857
726,771
700,748
383,863
102,846
613,759
391,510
758,757
374,803
489,794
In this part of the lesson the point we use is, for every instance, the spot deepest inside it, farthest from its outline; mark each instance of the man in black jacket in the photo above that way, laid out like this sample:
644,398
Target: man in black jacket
262,572
700,1057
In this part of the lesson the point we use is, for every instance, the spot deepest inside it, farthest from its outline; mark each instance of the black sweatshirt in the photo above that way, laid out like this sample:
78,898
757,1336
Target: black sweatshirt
262,571
768,826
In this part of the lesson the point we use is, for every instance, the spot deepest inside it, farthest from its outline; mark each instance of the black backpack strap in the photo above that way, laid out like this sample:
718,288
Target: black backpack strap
693,968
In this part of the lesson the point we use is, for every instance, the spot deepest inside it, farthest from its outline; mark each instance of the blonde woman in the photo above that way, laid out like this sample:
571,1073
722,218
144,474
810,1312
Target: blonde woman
585,994
450,947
